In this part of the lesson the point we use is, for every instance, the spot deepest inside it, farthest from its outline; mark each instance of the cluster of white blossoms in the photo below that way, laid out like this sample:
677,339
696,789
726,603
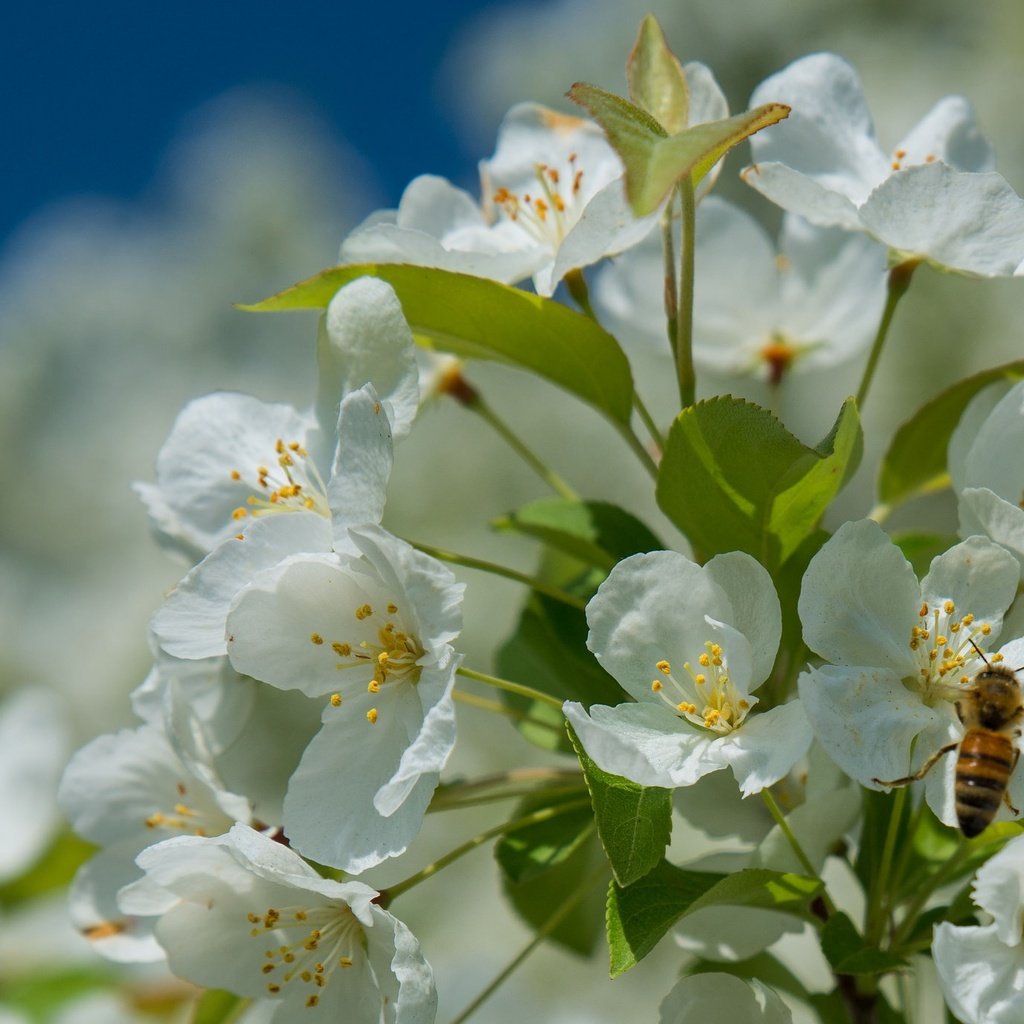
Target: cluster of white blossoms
301,706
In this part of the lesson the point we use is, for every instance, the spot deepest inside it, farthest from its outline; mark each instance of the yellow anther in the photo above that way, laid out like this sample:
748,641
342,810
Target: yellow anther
316,638
949,607
954,627
382,658
686,708
295,447
392,609
267,968
743,705
273,989
239,513
376,408
253,919
239,536
235,475
711,717
300,915
967,619
700,679
345,961
664,666
279,446
371,716
914,644
312,1001
986,629
373,686
924,611
900,154
336,700
996,658
364,611
716,650
704,660
341,650
941,641
656,685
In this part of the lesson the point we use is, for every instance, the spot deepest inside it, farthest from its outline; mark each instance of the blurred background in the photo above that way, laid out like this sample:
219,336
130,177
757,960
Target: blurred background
161,168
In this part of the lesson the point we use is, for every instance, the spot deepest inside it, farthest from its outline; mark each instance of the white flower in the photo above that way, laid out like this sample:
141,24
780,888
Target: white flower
722,997
231,457
553,201
33,746
689,643
190,624
244,913
935,196
814,303
981,969
373,634
986,467
900,651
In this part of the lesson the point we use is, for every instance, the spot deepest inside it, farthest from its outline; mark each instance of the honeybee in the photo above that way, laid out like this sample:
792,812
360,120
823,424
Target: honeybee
991,712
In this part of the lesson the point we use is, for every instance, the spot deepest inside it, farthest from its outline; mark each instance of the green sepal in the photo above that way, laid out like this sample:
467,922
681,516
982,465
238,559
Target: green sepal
480,319
656,79
534,849
596,533
733,478
215,1006
915,463
656,161
634,822
847,952
639,915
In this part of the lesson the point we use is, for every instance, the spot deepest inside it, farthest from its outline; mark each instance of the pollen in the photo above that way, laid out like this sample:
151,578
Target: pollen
949,607
704,660
664,666
656,685
364,611
373,686
316,638
336,700
371,716
686,708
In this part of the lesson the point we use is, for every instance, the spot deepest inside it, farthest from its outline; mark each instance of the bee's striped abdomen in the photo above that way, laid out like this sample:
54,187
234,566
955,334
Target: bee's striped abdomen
983,768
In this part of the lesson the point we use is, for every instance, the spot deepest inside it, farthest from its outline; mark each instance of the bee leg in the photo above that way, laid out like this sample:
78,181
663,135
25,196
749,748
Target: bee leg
1006,792
923,770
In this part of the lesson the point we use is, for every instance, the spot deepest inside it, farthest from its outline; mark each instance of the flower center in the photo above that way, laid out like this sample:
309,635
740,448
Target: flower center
943,642
705,696
188,820
548,213
389,652
293,484
311,944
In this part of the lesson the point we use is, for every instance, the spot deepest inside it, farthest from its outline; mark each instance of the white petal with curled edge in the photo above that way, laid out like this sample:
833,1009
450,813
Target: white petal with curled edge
982,979
977,576
994,459
765,746
948,132
982,511
191,622
701,998
866,720
828,135
859,600
645,743
999,889
366,340
969,222
799,194
194,495
756,612
362,463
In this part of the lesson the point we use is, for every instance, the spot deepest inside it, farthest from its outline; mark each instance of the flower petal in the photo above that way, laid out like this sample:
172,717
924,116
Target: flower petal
986,513
948,132
700,998
859,600
982,979
967,467
999,889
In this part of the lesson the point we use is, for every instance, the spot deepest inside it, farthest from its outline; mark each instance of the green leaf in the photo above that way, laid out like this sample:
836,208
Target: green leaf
655,161
634,822
920,548
847,952
480,319
733,478
916,460
656,79
596,533
548,651
52,871
217,1007
537,898
641,913
530,851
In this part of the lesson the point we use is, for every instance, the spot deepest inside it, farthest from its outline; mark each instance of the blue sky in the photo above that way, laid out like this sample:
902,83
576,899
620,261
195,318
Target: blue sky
95,92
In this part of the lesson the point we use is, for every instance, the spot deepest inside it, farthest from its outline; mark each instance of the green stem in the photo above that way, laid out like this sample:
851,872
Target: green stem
497,708
515,782
684,321
641,452
548,475
671,288
879,896
511,687
805,861
648,421
899,282
545,930
504,571
533,818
